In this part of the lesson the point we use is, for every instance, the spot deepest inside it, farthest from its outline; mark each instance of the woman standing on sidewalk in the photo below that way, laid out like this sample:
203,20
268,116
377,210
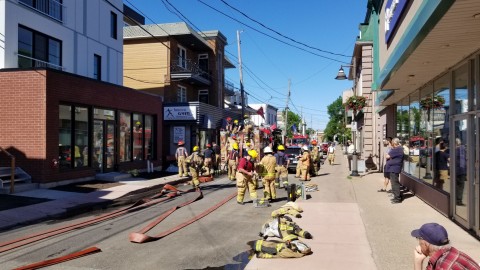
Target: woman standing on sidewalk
394,167
387,144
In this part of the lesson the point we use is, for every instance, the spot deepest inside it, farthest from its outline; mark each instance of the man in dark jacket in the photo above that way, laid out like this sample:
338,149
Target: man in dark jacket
394,167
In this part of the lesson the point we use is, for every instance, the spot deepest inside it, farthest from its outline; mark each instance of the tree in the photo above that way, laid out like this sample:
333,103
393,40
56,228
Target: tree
336,125
293,118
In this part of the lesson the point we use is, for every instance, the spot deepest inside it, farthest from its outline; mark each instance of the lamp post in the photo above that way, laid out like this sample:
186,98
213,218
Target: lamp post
341,76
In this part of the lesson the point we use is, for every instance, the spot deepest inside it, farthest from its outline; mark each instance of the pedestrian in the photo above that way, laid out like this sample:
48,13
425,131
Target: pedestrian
460,171
282,166
394,167
209,158
233,158
350,152
245,177
387,144
180,155
331,154
196,163
442,159
433,242
268,164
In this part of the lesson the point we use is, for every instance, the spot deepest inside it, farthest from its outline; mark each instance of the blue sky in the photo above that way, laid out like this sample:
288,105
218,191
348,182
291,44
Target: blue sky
328,27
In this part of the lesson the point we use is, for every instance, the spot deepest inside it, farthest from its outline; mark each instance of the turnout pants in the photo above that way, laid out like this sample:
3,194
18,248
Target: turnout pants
232,169
245,182
182,166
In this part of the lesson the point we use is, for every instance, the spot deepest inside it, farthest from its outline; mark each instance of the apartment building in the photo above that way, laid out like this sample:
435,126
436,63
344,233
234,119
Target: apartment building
186,68
65,112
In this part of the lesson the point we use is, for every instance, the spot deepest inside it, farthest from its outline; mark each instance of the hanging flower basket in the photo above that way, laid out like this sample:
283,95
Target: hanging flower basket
435,102
355,103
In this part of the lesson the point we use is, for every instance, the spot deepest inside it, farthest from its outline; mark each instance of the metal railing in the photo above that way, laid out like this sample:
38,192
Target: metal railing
12,169
187,65
50,8
32,62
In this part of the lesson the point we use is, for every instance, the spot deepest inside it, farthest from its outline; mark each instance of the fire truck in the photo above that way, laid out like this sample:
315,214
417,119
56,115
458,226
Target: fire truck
299,140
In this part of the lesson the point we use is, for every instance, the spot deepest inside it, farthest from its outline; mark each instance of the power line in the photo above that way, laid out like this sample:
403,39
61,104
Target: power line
282,35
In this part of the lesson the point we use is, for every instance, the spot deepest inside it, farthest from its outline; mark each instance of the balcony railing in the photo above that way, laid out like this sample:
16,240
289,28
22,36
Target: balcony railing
188,66
229,88
29,62
50,8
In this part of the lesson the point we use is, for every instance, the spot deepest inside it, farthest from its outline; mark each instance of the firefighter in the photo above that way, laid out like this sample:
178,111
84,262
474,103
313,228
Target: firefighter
232,161
218,159
235,127
305,164
180,155
247,126
209,158
315,158
281,168
196,163
274,249
331,154
268,164
245,175
229,126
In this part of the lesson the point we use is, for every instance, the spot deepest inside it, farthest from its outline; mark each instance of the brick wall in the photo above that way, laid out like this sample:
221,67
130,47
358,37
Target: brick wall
29,110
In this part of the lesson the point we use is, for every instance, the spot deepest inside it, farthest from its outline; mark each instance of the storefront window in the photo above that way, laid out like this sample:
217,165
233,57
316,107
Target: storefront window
81,136
149,135
138,137
65,136
125,137
425,137
441,130
460,76
403,127
416,141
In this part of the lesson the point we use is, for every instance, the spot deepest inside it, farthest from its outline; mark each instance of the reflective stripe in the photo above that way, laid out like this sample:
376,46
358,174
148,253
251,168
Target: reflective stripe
258,245
279,247
290,237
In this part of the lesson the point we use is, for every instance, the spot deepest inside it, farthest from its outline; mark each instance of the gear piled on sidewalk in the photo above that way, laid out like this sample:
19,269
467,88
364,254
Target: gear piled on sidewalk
311,187
287,232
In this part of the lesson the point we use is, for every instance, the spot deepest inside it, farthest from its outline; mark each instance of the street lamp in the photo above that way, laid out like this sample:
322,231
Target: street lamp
341,76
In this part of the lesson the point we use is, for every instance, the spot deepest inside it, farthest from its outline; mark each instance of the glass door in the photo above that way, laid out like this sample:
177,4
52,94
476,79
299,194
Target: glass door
103,159
462,175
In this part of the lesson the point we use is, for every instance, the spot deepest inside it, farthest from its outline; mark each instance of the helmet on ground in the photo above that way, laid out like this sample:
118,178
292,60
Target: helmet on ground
253,153
281,148
196,148
235,146
305,148
180,142
235,121
267,150
314,142
209,145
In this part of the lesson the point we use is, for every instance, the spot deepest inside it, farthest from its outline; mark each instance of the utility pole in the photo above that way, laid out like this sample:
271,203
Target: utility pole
286,113
242,92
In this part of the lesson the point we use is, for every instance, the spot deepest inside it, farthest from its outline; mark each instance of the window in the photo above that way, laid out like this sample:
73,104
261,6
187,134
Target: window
138,137
182,57
51,8
113,25
149,137
181,94
38,50
73,127
125,136
203,62
203,96
97,67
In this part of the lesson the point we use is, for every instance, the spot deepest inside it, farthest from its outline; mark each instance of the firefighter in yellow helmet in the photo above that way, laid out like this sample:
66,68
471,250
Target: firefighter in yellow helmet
233,157
281,168
196,163
245,175
267,165
305,164
235,127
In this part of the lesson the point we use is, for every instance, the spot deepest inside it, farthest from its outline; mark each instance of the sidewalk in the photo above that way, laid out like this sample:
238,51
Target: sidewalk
356,227
64,203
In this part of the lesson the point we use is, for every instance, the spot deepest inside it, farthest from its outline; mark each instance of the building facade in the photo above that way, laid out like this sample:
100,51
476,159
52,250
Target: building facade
429,72
186,69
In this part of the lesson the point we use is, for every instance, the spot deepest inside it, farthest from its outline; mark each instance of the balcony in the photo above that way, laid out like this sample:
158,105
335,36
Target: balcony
50,8
29,62
229,89
189,72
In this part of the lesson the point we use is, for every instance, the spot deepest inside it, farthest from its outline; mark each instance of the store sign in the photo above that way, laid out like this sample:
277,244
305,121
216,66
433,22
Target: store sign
178,134
180,113
393,12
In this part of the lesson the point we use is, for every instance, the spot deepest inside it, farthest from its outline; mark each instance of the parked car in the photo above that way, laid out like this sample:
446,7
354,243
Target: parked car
293,153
